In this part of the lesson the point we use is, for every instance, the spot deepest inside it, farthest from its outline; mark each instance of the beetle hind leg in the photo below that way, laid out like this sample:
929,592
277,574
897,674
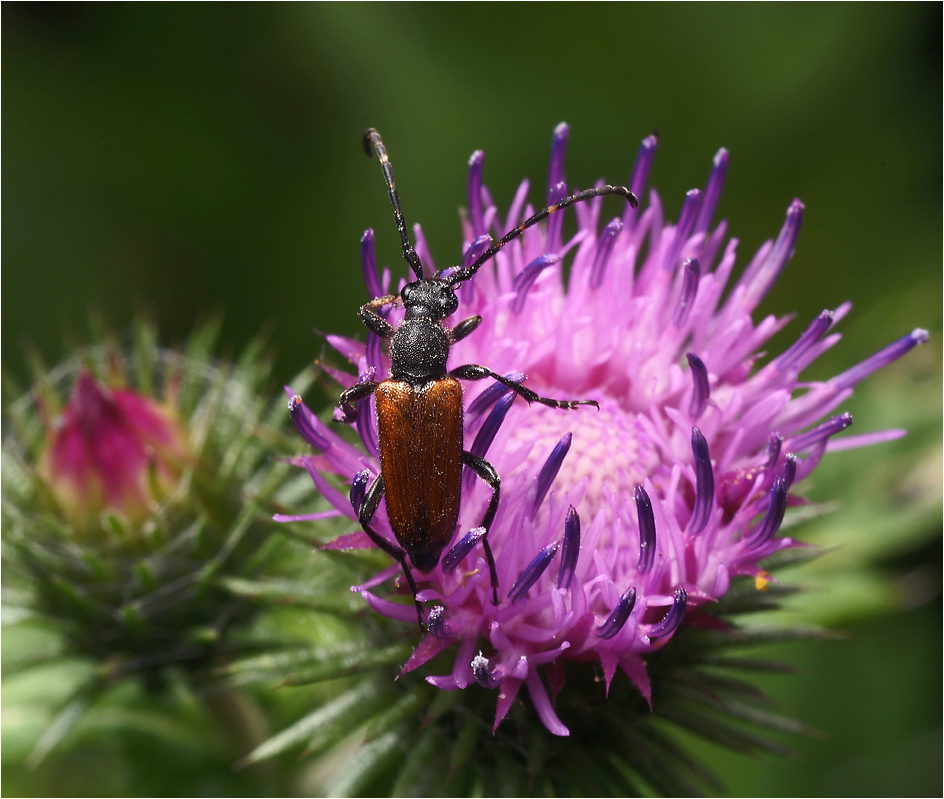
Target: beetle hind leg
365,515
487,472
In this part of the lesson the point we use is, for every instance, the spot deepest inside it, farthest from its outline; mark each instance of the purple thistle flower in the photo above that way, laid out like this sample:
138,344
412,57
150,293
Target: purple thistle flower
678,484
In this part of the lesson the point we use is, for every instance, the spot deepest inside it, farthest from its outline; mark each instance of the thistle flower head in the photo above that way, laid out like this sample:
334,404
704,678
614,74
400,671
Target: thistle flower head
615,527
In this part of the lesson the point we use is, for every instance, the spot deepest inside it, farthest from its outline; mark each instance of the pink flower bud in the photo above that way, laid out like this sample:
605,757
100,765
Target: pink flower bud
112,448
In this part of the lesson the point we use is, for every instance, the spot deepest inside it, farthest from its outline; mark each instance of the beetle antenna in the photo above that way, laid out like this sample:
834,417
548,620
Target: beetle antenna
373,142
464,274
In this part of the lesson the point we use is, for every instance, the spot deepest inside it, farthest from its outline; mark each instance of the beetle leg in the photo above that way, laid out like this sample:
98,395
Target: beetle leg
351,395
475,372
365,515
463,328
374,321
487,472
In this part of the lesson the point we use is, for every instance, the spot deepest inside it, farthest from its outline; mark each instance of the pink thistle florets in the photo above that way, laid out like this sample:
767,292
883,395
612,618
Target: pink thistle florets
112,448
614,526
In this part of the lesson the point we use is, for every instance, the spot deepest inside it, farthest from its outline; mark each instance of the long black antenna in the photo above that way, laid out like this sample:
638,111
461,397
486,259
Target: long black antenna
374,144
372,141
464,274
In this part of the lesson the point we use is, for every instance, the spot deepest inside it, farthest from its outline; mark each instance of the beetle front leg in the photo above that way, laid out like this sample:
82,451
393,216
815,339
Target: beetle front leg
365,515
349,396
374,321
473,371
487,472
463,328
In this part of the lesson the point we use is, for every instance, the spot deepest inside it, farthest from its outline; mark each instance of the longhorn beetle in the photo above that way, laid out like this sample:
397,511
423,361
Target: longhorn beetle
419,407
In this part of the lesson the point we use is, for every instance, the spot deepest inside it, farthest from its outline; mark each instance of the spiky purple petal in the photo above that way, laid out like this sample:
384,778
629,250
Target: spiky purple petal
789,470
821,432
486,677
811,336
687,218
881,359
673,618
719,170
474,188
550,469
306,422
761,282
436,623
774,443
462,548
359,489
489,429
555,172
604,251
369,265
570,550
620,615
366,425
555,222
640,176
533,572
691,272
704,483
701,391
772,519
528,275
647,530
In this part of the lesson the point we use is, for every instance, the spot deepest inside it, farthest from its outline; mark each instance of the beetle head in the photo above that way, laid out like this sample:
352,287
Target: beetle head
432,297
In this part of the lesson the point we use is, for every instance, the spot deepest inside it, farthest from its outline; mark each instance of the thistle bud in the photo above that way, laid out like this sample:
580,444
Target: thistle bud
112,449
137,497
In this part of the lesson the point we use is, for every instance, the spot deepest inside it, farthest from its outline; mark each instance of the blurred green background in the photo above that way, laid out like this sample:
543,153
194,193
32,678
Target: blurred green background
185,159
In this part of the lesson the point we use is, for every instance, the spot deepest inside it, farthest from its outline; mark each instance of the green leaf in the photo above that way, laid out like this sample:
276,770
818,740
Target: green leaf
718,729
325,725
28,644
145,347
65,720
293,592
416,771
463,747
369,763
355,663
408,706
280,665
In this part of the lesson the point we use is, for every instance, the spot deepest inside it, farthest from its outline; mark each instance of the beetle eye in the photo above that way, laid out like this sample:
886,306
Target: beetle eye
449,302
405,292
